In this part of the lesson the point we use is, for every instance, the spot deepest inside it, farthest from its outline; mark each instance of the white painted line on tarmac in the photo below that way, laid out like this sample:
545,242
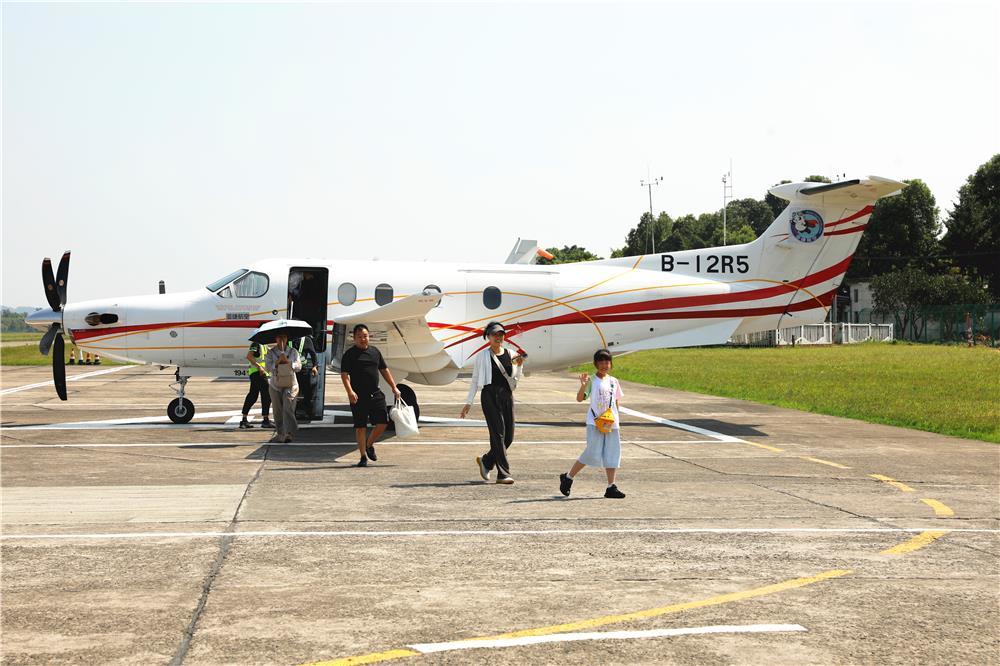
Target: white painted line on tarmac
73,378
490,533
429,648
408,443
718,436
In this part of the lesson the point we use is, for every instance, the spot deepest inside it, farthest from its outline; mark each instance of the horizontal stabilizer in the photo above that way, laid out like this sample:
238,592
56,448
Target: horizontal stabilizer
864,190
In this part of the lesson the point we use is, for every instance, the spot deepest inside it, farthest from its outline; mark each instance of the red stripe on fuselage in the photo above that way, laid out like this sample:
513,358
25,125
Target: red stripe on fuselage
86,333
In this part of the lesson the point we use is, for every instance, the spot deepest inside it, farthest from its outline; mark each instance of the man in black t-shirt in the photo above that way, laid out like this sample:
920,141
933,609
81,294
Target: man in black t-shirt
359,370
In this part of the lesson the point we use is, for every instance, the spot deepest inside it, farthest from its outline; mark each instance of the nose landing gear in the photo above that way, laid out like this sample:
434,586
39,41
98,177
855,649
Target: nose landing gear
180,409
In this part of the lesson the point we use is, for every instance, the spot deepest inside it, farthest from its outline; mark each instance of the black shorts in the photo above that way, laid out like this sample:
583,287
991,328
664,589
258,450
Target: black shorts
370,409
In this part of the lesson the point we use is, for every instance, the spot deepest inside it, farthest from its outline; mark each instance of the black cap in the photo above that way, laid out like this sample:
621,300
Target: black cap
492,328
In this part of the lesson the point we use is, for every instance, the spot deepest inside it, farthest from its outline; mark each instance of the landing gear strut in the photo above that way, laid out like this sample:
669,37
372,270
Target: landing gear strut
180,409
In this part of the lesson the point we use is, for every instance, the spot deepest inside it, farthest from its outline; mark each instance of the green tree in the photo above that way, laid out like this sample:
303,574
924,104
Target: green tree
973,236
568,254
914,297
637,241
753,213
902,232
13,322
776,204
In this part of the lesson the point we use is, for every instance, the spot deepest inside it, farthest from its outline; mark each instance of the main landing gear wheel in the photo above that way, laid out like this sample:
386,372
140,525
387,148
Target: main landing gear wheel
180,410
410,398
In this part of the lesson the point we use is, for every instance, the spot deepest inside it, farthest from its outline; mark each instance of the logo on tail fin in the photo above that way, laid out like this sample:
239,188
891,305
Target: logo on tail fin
807,225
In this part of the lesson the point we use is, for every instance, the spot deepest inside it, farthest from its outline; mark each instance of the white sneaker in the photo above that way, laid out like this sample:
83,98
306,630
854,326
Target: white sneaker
483,472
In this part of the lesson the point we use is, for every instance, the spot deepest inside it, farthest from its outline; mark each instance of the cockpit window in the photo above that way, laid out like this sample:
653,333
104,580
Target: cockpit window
226,293
251,285
222,282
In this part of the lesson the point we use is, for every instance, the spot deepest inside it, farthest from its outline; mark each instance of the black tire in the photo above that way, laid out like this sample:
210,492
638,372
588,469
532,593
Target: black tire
410,398
180,410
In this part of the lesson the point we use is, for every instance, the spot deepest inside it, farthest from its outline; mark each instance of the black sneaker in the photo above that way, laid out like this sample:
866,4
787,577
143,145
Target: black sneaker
613,493
363,462
370,450
266,424
244,424
565,484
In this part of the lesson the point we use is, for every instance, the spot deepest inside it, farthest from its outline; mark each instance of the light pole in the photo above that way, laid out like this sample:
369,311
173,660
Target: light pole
727,193
648,184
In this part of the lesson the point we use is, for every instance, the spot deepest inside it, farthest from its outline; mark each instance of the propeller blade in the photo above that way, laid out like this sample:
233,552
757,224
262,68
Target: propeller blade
49,282
62,276
46,342
59,366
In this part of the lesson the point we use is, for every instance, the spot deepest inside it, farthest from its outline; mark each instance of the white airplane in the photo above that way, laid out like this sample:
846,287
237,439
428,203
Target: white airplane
427,318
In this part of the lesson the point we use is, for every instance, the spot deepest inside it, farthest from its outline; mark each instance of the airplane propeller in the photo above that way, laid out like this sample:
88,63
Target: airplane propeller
55,294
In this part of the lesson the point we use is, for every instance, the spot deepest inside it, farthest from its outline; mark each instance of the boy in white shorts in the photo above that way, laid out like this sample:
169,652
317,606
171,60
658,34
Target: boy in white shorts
603,448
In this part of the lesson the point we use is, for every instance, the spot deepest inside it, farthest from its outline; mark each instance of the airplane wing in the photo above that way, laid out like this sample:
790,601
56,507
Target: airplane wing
400,331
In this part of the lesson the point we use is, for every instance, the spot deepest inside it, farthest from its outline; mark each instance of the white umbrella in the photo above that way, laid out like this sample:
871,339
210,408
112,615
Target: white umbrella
293,328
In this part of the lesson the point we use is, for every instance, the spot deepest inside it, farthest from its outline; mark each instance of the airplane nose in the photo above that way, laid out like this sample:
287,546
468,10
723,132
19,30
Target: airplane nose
42,319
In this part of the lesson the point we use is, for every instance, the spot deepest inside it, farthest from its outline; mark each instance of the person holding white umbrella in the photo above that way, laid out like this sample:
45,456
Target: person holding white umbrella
282,362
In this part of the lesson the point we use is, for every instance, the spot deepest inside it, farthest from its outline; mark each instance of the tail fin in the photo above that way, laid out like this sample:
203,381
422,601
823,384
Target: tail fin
796,265
811,243
821,225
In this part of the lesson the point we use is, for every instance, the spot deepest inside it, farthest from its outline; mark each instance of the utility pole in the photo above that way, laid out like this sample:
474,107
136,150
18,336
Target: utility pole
727,193
648,184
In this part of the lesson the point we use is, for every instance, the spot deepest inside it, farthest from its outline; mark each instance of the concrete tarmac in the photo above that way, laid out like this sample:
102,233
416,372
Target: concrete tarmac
750,534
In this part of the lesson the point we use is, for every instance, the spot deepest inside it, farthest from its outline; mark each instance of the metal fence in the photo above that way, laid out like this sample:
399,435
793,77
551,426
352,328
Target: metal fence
944,324
817,334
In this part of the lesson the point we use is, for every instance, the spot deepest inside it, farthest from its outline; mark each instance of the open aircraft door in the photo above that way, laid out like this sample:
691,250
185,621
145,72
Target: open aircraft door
307,297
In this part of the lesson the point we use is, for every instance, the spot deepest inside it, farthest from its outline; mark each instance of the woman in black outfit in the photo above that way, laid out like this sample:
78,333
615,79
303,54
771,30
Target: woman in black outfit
497,373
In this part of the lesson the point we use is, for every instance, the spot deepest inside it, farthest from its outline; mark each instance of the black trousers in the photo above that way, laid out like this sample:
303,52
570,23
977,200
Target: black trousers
258,387
305,392
498,407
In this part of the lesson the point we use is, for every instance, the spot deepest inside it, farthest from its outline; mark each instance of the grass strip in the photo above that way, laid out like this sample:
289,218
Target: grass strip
952,390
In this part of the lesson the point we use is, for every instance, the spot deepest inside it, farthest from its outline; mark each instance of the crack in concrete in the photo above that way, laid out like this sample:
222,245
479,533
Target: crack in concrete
761,485
225,543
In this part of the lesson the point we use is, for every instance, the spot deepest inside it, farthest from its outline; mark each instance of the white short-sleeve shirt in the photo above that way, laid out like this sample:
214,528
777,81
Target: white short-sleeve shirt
603,393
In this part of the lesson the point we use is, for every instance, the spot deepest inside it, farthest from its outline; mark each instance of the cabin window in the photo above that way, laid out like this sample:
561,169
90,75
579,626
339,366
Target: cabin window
347,293
226,293
251,285
434,287
383,294
492,298
222,282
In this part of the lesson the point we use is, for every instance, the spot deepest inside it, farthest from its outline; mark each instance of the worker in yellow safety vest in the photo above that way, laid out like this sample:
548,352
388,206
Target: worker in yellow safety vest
258,387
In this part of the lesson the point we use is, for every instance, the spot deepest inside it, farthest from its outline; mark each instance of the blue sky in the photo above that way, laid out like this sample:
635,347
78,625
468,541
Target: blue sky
173,141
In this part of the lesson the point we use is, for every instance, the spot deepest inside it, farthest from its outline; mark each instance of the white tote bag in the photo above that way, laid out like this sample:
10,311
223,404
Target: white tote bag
405,419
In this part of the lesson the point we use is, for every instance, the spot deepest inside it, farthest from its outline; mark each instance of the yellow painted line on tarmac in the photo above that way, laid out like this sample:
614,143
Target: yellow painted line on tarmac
916,543
764,446
373,658
611,619
940,509
825,462
892,482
